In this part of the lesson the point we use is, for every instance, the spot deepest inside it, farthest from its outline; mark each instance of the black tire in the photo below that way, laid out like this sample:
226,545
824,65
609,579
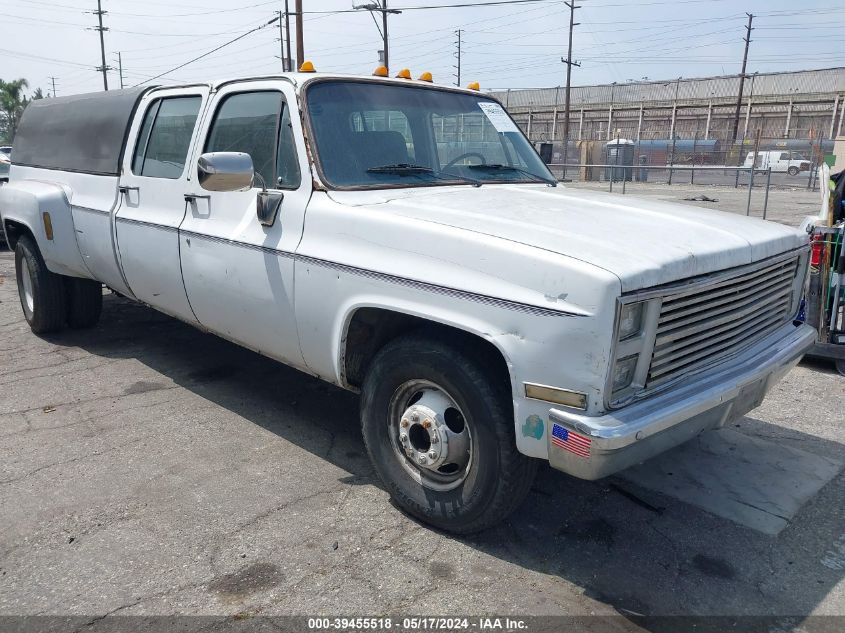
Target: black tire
793,171
47,310
497,478
84,302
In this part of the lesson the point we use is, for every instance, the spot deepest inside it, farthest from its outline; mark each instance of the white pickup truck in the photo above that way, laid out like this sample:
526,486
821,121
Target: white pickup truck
404,240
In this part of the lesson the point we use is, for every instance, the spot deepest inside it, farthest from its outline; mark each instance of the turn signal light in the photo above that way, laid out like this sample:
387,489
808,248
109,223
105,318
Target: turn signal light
426,76
381,71
474,86
817,250
307,67
405,73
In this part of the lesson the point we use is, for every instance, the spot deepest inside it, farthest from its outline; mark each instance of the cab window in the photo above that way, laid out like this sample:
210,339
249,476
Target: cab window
258,123
165,137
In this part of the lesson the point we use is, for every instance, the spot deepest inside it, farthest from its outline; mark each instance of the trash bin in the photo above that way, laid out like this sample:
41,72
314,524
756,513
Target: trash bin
619,156
642,175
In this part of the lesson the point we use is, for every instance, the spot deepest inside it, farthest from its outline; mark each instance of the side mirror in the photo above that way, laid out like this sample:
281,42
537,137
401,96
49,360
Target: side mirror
225,171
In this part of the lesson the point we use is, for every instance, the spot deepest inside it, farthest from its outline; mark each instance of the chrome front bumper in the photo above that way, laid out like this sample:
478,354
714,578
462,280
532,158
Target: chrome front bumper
635,433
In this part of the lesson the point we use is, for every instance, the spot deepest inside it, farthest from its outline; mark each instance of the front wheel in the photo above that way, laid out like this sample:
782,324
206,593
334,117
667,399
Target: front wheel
440,435
792,171
41,292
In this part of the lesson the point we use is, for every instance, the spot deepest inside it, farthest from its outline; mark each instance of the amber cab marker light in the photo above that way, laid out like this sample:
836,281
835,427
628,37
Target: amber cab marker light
381,71
426,76
48,225
474,86
403,74
307,67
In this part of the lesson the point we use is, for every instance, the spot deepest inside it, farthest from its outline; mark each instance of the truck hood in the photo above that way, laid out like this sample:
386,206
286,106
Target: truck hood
644,242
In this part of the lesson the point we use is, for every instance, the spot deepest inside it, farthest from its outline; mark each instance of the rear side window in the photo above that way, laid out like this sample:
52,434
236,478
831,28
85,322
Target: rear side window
165,137
258,124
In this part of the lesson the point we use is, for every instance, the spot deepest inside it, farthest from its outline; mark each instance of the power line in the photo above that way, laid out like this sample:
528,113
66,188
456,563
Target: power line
213,50
443,6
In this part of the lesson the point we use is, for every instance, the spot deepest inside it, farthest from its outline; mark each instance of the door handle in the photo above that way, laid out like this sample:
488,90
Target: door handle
193,197
125,189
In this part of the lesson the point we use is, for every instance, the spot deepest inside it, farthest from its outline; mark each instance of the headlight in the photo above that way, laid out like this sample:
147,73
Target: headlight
630,320
623,372
636,328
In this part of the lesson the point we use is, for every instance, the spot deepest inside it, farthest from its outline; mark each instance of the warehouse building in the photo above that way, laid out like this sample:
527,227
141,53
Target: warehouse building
803,105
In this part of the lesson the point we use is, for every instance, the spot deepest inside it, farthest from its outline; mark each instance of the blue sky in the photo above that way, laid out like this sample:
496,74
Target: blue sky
510,46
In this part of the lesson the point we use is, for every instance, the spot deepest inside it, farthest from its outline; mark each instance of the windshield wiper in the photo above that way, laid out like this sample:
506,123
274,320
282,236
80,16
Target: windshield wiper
408,169
399,169
500,167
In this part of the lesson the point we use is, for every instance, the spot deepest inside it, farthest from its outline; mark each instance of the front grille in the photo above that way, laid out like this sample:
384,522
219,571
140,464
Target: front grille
711,321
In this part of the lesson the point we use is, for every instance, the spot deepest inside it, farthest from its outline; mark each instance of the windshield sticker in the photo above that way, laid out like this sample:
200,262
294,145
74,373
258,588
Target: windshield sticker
498,117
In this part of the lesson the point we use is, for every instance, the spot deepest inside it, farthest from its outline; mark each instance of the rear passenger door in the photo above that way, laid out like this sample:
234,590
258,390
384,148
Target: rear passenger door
153,183
239,273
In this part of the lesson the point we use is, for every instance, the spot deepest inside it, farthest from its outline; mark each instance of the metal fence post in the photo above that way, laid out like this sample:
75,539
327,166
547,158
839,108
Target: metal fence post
740,160
750,186
766,198
692,173
672,160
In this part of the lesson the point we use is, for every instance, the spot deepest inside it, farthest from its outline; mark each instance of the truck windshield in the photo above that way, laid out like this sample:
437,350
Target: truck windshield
373,135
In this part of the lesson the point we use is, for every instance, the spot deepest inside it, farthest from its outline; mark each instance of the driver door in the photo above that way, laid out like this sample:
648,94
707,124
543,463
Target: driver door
238,273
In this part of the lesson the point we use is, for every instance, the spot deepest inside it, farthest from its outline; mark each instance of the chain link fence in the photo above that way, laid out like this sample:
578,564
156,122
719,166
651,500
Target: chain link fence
787,123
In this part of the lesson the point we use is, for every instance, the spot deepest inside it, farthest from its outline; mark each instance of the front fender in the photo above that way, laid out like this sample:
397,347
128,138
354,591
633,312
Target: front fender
543,347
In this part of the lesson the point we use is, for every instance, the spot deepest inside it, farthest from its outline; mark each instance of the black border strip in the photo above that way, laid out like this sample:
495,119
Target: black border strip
153,225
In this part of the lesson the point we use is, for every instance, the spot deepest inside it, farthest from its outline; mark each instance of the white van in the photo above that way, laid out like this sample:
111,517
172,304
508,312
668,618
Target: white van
779,161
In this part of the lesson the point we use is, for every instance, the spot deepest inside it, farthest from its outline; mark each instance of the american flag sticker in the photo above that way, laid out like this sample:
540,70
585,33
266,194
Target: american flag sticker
569,441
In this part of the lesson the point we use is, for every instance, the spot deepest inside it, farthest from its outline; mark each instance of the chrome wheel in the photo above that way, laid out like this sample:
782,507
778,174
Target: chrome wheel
26,286
430,435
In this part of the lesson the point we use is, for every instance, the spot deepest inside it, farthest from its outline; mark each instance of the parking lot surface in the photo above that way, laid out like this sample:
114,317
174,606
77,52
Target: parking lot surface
787,205
149,468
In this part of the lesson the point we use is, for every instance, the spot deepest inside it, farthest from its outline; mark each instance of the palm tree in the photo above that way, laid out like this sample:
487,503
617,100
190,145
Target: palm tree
12,103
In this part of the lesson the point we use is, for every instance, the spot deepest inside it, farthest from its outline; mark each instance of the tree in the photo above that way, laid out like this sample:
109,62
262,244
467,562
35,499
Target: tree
12,103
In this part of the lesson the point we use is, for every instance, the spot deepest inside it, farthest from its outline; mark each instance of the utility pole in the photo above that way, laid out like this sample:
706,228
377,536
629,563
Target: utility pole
382,8
282,42
747,39
120,67
100,13
569,64
300,44
287,30
53,79
384,34
458,33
